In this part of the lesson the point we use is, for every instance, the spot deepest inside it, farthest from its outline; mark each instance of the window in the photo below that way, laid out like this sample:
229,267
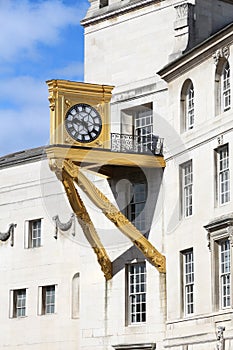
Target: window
143,123
136,208
18,303
222,86
187,189
47,295
223,175
188,282
137,293
187,106
225,273
33,234
103,3
220,241
137,128
226,91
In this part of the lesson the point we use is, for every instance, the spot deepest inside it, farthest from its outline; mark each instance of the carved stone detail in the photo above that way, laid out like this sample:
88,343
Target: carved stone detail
220,339
10,233
230,232
64,226
181,11
223,52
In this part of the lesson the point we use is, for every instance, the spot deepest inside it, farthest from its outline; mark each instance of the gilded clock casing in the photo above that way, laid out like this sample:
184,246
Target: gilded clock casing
63,94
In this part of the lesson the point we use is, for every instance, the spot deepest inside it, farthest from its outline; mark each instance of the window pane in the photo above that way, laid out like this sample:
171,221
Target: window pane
188,278
137,293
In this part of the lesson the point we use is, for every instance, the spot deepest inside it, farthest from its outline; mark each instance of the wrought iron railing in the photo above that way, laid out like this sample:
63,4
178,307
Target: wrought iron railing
136,144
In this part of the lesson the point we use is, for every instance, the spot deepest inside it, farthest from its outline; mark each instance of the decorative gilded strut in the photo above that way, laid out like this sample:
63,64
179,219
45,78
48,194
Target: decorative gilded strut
113,214
64,226
10,233
86,224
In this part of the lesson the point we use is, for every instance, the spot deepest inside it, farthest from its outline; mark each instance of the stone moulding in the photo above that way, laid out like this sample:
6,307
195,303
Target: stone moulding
222,223
113,214
223,52
10,233
64,226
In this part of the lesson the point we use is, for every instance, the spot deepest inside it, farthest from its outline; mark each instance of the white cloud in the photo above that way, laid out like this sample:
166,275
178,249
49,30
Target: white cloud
25,121
73,70
23,90
25,24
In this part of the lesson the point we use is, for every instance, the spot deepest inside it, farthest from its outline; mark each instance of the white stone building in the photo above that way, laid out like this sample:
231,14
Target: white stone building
170,64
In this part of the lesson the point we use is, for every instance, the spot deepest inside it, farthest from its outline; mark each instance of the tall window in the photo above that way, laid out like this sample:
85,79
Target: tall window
187,106
144,130
137,293
220,245
187,188
225,273
223,175
18,303
137,204
188,282
226,91
222,86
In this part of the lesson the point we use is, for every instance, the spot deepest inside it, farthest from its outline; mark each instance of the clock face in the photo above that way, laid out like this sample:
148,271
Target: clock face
83,123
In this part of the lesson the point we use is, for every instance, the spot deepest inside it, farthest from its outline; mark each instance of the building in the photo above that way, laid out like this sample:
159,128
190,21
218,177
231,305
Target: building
92,216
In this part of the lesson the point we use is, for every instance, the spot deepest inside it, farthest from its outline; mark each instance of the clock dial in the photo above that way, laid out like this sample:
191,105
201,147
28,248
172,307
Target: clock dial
83,123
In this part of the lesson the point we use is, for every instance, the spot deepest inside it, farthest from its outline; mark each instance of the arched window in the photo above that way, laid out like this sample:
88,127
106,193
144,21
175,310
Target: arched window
222,87
226,90
187,106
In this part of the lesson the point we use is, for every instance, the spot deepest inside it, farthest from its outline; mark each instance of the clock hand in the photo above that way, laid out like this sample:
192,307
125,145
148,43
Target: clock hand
82,122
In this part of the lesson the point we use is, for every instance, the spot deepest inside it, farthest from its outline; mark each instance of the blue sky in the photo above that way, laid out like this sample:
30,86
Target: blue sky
40,40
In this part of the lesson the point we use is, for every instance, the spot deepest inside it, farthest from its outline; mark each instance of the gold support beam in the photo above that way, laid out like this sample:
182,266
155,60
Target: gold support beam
113,214
83,218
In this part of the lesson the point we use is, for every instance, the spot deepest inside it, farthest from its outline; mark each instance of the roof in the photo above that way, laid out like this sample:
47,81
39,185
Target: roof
197,54
26,156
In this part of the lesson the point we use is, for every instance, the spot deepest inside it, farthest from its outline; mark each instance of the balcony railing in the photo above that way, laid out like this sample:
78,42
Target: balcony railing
137,144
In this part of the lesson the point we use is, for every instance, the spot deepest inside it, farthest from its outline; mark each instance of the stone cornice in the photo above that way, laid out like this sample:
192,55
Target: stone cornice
104,15
197,55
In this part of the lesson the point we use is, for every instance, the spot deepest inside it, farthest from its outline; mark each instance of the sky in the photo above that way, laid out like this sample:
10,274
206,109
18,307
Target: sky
39,40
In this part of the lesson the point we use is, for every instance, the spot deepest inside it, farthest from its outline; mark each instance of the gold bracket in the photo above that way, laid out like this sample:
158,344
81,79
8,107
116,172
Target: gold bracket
115,216
83,218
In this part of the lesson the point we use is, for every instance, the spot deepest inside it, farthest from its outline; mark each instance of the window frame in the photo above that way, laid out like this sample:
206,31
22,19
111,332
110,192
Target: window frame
18,303
222,170
43,297
135,317
137,216
224,273
219,230
226,87
222,86
32,242
188,280
186,189
187,100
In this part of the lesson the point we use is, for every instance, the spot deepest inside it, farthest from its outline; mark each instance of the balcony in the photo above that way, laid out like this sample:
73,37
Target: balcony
124,151
136,144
